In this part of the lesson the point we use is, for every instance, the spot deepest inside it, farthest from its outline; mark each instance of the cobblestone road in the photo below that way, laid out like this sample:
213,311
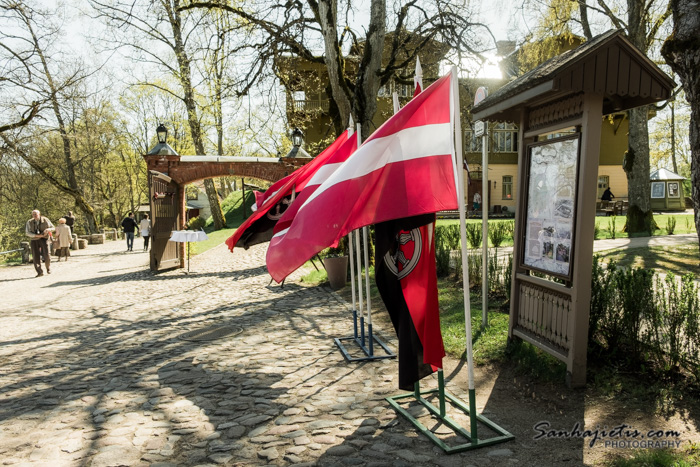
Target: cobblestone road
95,371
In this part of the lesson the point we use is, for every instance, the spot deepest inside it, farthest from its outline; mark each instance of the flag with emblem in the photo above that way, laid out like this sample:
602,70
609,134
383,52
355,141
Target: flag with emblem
320,176
407,282
258,228
404,169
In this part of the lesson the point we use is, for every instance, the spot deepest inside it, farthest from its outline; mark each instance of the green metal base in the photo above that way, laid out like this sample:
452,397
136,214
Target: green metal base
440,414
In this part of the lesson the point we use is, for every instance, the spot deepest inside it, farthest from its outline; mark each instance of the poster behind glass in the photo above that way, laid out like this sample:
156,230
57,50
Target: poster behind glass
658,190
551,202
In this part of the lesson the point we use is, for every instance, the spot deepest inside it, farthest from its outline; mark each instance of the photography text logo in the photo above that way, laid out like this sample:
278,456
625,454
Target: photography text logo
621,436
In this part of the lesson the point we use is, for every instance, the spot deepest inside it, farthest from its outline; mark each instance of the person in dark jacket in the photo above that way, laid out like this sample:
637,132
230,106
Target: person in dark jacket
607,195
129,225
70,219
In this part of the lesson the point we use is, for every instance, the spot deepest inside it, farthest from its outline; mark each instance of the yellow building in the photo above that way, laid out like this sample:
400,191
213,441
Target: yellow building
307,88
308,108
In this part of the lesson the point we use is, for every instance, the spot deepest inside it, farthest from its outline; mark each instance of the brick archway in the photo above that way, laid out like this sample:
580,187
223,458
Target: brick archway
188,169
177,171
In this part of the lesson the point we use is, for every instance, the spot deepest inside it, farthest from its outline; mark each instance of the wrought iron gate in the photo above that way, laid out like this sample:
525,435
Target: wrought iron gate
165,217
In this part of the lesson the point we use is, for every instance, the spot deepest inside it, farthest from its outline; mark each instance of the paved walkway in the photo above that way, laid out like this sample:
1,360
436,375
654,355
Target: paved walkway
94,371
662,240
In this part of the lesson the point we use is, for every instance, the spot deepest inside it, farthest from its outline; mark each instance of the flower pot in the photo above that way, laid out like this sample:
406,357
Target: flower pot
337,270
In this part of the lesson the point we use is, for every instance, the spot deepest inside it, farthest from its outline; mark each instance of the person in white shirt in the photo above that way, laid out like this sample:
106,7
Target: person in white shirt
477,201
145,228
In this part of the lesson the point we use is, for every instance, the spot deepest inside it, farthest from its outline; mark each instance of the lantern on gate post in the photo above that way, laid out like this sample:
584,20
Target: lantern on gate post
297,152
162,148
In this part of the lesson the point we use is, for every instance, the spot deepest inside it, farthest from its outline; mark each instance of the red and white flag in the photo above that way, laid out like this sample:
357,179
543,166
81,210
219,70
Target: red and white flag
321,175
403,169
276,199
407,282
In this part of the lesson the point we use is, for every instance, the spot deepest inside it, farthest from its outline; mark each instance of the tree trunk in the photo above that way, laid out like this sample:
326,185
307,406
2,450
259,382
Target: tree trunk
191,106
636,164
69,167
328,14
365,102
682,52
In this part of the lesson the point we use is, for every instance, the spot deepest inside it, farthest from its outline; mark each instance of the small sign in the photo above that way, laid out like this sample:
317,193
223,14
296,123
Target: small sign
479,128
480,95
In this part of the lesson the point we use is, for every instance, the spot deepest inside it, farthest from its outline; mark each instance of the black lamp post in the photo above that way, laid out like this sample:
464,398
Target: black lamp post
162,148
297,137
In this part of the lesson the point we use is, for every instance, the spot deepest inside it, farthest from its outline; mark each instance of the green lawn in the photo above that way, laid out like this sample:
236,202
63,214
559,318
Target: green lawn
606,225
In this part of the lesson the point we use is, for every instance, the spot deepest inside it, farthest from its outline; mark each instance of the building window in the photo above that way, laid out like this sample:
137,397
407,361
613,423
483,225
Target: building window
505,137
603,184
507,186
473,143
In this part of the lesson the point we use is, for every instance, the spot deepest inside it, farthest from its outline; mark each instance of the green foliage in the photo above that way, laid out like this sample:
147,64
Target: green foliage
642,320
442,260
233,208
670,225
341,249
675,331
474,262
498,232
474,235
612,227
447,237
656,458
596,232
196,223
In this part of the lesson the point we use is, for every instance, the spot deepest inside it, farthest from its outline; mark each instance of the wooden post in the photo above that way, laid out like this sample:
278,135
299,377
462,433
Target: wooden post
519,232
245,213
182,209
583,245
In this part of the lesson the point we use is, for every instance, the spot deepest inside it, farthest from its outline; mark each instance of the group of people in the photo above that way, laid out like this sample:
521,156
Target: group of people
42,233
130,226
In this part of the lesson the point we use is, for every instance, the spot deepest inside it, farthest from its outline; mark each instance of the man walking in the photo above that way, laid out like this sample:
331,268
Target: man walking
38,229
129,224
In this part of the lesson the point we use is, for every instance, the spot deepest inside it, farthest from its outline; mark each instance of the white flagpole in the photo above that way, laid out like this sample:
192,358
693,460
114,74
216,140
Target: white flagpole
459,181
485,228
351,129
365,229
357,251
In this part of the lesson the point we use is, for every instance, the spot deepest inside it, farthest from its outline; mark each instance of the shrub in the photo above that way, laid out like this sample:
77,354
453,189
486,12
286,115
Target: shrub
447,237
612,227
646,320
196,223
498,232
474,267
674,334
596,232
442,260
474,235
670,225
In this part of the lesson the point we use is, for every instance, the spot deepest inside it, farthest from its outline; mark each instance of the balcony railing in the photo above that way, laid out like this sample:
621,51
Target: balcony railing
311,105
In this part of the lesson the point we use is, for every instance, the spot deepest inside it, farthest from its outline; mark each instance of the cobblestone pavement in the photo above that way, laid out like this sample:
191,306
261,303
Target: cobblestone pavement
95,372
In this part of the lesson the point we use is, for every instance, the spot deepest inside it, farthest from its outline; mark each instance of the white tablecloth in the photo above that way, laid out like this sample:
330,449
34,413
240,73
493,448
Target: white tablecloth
188,236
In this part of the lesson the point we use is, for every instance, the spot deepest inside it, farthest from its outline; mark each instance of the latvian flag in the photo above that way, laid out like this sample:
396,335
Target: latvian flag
403,169
272,204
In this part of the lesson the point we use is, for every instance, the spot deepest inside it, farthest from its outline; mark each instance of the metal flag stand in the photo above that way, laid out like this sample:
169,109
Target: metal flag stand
471,435
364,342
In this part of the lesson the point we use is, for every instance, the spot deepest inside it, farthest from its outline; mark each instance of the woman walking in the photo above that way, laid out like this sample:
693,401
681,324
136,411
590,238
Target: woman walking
63,238
145,228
